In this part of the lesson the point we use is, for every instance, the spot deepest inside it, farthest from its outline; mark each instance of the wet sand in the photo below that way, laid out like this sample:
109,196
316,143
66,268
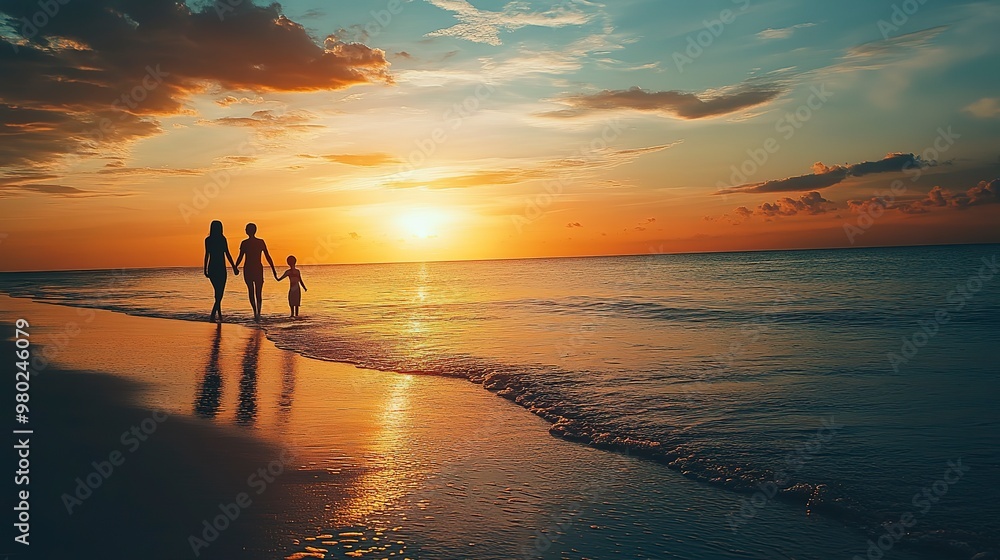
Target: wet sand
384,465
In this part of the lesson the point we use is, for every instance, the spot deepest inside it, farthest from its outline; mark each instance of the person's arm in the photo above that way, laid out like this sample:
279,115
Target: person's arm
230,257
205,265
303,283
242,254
268,257
283,275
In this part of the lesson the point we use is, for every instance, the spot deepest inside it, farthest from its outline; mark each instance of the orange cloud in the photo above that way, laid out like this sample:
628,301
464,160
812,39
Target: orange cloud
362,160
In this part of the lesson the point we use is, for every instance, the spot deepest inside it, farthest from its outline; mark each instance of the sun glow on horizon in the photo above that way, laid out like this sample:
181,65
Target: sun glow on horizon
422,223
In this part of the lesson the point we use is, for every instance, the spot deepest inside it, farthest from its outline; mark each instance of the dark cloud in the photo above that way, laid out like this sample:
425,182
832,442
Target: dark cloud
683,105
102,71
797,183
824,176
888,164
574,225
811,203
985,192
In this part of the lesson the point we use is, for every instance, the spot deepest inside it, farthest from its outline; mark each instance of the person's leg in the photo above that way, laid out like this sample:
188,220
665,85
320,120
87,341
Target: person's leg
250,294
220,287
220,290
259,288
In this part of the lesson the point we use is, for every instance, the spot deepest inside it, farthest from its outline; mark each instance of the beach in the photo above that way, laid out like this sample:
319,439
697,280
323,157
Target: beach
379,464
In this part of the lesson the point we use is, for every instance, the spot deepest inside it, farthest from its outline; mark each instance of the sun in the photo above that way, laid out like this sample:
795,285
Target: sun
421,223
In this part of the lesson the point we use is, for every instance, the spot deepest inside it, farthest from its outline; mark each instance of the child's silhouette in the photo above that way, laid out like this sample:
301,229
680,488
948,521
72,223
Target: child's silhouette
294,275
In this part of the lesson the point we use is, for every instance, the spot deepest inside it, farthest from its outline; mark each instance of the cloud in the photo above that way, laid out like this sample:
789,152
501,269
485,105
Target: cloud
881,53
230,100
678,104
599,159
811,203
574,225
824,176
121,170
266,119
481,26
268,123
890,163
7,190
985,192
782,32
114,66
985,108
791,184
362,160
475,179
354,235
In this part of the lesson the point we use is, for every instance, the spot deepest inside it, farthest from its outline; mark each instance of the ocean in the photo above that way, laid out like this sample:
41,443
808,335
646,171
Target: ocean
859,384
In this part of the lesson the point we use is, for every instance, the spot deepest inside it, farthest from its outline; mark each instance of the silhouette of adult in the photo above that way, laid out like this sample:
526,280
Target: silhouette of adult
206,405
253,270
246,408
216,253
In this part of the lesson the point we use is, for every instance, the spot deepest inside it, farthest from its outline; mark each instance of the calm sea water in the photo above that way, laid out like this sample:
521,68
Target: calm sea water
846,380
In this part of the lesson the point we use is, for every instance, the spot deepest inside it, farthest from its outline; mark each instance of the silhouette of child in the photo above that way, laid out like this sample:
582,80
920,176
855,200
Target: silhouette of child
294,275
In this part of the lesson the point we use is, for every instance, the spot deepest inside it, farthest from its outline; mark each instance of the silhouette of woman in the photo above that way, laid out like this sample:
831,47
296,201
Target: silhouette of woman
216,251
253,271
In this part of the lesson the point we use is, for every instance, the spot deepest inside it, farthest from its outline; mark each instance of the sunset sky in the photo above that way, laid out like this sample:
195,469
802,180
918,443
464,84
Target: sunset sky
394,130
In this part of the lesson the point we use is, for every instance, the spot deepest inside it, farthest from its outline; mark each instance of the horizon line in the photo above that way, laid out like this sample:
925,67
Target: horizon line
553,257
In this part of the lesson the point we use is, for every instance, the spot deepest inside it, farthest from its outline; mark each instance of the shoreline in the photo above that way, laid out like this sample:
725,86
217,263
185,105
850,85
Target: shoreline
359,379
